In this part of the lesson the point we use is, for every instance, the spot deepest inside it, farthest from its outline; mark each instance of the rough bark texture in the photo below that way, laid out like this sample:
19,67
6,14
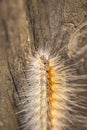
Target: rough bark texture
27,22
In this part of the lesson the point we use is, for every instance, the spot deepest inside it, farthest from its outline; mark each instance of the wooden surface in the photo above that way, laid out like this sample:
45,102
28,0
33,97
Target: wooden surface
31,22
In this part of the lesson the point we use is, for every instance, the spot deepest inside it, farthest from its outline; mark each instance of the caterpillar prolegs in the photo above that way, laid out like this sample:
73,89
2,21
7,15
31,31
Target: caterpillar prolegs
54,99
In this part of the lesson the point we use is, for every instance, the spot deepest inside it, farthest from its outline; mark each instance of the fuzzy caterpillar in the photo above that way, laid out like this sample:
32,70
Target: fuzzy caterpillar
54,99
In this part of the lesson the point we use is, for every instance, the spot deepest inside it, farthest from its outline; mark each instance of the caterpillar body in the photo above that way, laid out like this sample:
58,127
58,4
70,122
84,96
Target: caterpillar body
54,99
46,89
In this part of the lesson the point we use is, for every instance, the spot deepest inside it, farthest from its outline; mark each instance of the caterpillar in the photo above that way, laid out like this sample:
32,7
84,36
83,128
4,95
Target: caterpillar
54,99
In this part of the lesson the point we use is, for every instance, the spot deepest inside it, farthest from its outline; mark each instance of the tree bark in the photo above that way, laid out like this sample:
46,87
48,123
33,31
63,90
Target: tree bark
25,23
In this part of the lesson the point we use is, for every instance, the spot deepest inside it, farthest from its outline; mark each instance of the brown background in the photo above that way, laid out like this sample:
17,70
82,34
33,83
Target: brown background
24,22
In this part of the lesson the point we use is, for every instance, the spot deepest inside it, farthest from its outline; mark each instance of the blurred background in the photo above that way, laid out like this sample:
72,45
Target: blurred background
26,22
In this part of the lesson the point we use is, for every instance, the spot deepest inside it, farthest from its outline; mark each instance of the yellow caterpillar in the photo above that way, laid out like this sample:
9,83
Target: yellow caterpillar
54,99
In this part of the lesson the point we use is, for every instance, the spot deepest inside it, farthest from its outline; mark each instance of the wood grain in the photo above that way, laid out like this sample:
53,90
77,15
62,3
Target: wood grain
31,22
